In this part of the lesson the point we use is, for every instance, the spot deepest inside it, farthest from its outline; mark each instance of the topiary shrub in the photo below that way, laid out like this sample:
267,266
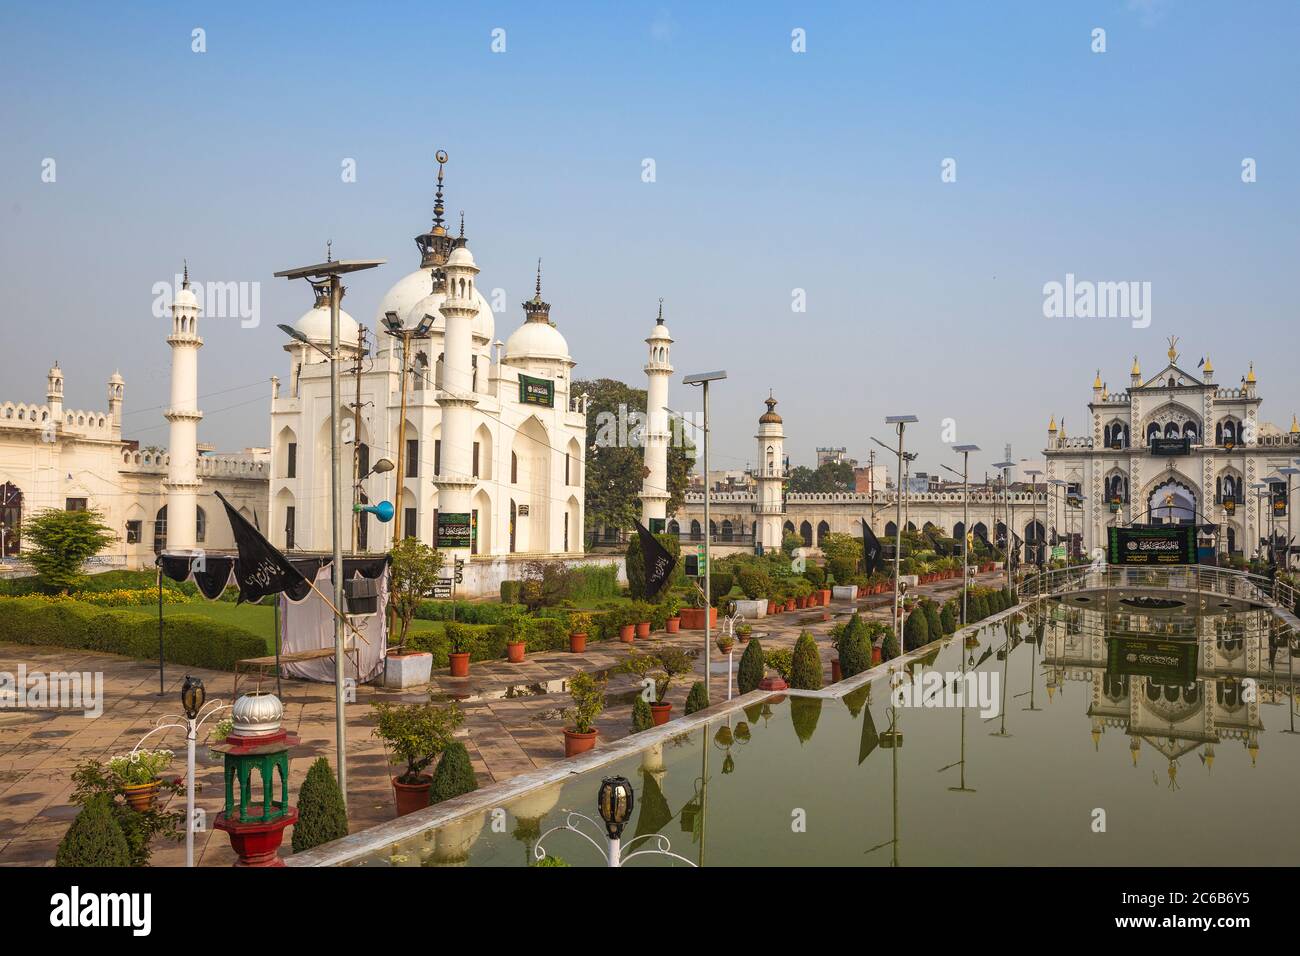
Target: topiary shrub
815,574
1007,600
916,632
94,838
454,776
322,817
978,607
855,649
642,719
754,582
720,584
512,592
698,698
947,619
806,666
804,714
889,646
932,621
752,667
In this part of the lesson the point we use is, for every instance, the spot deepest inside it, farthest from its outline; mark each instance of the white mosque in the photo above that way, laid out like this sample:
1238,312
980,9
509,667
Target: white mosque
492,444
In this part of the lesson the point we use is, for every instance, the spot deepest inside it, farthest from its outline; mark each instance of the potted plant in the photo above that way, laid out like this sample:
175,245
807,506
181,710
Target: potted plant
514,628
415,734
139,774
661,668
588,701
626,624
460,640
743,630
725,642
579,624
673,623
642,612
414,571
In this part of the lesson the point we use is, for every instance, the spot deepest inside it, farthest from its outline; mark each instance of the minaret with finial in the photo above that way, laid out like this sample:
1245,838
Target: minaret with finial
456,399
183,415
769,507
436,244
54,393
658,368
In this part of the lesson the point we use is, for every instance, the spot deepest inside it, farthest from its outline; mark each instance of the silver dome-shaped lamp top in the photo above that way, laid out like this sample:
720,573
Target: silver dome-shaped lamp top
257,714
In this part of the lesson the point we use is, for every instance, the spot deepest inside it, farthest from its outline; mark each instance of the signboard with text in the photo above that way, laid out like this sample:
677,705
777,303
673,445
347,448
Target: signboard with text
455,530
1170,544
1170,662
536,391
1171,446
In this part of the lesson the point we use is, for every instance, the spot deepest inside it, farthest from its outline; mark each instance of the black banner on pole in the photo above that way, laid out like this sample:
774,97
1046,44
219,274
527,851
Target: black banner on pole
871,550
659,562
1159,544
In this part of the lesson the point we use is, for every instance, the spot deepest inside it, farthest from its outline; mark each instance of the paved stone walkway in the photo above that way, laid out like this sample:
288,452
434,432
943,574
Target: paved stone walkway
513,723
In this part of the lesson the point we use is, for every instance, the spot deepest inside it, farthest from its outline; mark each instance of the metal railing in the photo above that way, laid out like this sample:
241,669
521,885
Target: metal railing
1191,577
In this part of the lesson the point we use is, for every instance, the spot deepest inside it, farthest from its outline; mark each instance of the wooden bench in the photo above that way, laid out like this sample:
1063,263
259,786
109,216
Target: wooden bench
264,666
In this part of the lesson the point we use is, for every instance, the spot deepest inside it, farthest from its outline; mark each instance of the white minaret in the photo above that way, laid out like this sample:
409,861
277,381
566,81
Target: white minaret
54,393
769,509
116,386
654,487
455,480
184,415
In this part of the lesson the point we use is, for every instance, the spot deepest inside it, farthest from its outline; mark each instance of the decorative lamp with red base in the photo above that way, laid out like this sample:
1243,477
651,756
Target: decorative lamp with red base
256,821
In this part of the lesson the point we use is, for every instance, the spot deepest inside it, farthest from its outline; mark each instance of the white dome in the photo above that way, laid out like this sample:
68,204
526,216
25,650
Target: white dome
185,298
461,256
315,324
413,290
534,340
660,332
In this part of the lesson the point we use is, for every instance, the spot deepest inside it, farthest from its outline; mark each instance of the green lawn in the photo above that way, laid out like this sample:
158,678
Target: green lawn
257,619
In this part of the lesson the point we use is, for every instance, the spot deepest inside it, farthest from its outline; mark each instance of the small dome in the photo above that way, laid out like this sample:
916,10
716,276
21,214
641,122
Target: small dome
659,334
770,417
315,324
413,290
461,256
185,298
116,378
257,715
536,340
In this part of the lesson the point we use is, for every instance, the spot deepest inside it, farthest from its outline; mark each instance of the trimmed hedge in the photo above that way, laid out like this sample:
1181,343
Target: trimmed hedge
806,664
698,698
466,611
94,839
321,814
187,638
454,775
752,667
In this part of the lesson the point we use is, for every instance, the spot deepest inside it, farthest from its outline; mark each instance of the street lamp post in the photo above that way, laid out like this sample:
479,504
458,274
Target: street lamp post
1033,474
1288,470
325,276
900,423
1006,467
394,327
965,538
703,379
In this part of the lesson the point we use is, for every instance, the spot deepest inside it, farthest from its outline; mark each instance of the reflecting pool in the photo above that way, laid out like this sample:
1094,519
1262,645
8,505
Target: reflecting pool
1129,735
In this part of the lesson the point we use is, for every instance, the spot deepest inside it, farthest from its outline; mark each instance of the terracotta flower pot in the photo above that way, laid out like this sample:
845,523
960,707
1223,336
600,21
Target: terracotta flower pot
141,796
875,655
459,664
515,652
411,796
771,607
627,633
577,643
673,625
577,743
659,712
693,618
789,605
725,644
643,629
826,597
835,671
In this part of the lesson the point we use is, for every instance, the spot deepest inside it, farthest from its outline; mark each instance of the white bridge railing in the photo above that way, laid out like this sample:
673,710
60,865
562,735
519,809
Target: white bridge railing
1192,577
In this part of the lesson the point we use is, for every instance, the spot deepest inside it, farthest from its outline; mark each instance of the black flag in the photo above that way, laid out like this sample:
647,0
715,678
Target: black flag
1015,549
982,537
261,569
870,548
659,562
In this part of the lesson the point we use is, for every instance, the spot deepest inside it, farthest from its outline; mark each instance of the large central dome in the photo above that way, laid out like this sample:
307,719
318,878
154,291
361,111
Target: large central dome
415,289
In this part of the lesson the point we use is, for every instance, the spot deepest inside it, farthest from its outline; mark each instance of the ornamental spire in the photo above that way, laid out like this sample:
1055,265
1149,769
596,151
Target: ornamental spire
535,309
660,320
439,229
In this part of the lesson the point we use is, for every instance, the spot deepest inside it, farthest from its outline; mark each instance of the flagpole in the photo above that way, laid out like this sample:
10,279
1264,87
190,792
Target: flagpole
336,567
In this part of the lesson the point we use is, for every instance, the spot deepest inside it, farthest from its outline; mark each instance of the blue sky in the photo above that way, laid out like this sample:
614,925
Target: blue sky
774,171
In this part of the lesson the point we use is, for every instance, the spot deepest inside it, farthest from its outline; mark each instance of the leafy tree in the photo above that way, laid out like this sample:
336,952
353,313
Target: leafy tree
752,667
947,619
454,774
59,542
842,549
806,666
414,570
322,817
790,541
615,456
889,646
698,698
94,839
933,624
829,478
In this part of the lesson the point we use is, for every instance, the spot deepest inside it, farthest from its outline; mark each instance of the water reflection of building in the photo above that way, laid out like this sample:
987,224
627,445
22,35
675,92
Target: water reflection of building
1163,709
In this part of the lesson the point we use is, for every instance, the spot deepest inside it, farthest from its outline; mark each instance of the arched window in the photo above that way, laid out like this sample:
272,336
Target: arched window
200,525
727,530
514,468
805,532
695,530
1153,432
823,529
891,529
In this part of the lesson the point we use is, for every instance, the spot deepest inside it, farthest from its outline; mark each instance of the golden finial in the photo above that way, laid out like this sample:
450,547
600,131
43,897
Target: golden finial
1051,427
1173,348
1253,748
1137,369
1209,366
1096,740
1250,376
538,288
1096,382
438,228
1295,426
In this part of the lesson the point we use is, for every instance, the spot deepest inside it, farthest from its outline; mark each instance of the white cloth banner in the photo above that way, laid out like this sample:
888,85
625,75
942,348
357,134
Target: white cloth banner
308,625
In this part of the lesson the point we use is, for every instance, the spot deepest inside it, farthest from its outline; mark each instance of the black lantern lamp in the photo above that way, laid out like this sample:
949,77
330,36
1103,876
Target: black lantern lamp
193,695
615,800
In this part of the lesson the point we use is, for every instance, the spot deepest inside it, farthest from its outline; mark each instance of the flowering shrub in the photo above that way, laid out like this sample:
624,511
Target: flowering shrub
139,766
120,597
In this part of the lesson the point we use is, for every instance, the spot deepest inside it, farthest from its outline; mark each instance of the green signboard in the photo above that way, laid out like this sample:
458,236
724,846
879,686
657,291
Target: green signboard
1169,544
1170,662
536,391
455,530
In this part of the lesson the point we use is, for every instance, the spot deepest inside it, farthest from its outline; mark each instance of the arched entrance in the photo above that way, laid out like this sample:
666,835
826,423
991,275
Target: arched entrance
823,529
805,532
1171,502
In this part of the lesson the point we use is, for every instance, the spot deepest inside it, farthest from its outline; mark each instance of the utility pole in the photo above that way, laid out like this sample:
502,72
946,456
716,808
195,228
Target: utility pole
356,440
